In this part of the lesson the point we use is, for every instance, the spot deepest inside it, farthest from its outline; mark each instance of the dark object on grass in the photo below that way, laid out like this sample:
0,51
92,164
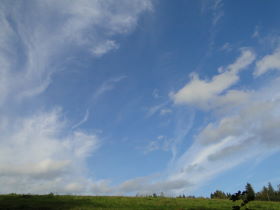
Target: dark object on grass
240,196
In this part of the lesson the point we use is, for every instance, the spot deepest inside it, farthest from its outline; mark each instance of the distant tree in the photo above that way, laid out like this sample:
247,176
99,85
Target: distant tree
190,196
278,193
250,196
218,194
50,195
268,193
270,188
263,194
271,192
228,195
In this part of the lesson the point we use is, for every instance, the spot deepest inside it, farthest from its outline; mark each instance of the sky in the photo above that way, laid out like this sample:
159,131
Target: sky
127,97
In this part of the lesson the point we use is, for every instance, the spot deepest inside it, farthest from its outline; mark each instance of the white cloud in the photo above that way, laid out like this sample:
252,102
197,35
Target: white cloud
234,138
245,130
208,94
103,48
242,132
40,148
40,152
36,36
268,63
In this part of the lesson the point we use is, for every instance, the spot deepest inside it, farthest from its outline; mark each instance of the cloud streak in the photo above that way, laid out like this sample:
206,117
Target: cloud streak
211,94
40,153
268,63
43,42
246,130
41,148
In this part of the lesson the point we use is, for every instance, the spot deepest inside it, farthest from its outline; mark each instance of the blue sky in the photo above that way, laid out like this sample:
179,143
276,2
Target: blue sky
139,96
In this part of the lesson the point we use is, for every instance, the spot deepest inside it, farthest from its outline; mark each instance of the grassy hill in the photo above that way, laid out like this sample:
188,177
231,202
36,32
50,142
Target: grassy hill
44,202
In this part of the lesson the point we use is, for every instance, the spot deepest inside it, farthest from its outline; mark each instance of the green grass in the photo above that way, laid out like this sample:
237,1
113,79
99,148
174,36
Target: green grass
44,202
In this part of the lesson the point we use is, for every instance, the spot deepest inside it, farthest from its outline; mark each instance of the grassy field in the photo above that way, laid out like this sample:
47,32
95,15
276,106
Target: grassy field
9,202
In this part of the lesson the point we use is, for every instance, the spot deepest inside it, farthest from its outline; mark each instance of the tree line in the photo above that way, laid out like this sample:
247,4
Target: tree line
267,193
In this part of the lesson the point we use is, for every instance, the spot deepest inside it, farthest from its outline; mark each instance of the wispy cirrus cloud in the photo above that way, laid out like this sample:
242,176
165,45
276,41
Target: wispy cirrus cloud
243,126
104,47
215,7
106,86
85,118
156,109
246,130
268,63
218,12
44,42
39,150
101,90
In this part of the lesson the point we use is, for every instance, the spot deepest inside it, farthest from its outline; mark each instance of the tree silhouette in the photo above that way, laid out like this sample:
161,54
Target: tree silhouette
240,196
250,196
218,194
